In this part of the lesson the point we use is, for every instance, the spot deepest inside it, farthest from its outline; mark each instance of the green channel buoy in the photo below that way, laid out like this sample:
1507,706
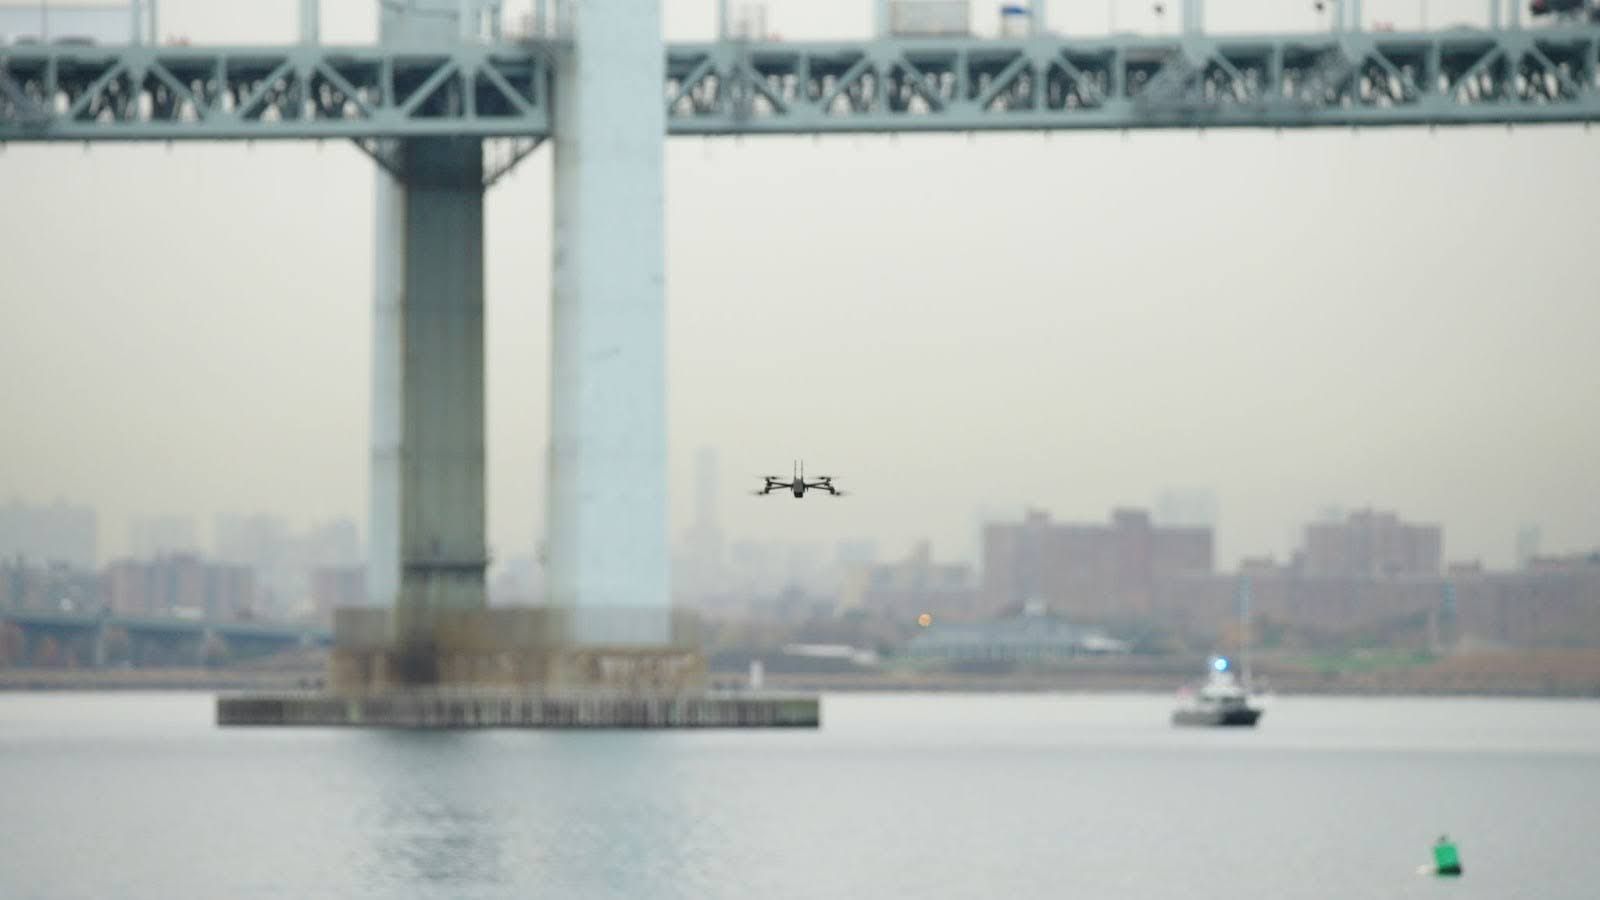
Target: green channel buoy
1446,859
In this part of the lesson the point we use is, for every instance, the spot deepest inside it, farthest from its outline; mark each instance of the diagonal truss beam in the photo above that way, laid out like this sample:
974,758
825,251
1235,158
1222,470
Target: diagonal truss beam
179,88
258,92
1002,81
1489,57
345,87
851,76
691,81
511,94
756,82
28,110
1408,85
447,70
520,149
917,80
1554,70
96,90
1079,78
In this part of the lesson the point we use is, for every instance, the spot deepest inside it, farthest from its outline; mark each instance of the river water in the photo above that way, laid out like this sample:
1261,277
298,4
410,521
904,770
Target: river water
141,796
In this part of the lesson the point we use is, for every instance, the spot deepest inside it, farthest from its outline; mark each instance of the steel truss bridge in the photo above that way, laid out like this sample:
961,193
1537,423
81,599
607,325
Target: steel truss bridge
447,113
504,89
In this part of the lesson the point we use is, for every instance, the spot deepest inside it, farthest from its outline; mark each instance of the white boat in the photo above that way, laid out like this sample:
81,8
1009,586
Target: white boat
1221,701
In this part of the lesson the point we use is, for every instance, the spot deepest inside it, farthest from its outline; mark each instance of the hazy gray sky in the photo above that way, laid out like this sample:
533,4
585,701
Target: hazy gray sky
946,324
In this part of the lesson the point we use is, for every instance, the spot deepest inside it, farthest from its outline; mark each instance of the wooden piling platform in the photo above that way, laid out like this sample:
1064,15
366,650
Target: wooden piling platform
492,708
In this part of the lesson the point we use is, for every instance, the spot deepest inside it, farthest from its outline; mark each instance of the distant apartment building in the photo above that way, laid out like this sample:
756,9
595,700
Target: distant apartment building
56,587
1371,543
1375,575
852,552
179,585
333,587
1555,602
1314,605
699,561
1364,571
1185,507
284,561
1089,572
56,533
758,568
153,536
911,587
1527,546
1588,562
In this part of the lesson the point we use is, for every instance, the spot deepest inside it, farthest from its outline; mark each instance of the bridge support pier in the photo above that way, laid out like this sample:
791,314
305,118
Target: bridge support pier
428,550
608,651
426,536
606,513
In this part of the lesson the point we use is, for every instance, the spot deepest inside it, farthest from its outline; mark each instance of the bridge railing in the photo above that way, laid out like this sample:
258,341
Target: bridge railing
103,23
492,21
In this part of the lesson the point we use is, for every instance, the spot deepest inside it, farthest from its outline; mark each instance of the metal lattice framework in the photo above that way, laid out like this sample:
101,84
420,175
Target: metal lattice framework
1462,77
377,94
68,93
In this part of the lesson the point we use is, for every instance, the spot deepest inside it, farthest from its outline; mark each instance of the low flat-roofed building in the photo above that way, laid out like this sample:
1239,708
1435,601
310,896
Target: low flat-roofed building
1035,636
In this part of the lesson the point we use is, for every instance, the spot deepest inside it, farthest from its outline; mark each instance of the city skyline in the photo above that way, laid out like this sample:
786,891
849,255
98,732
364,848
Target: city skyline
235,537
950,340
1370,569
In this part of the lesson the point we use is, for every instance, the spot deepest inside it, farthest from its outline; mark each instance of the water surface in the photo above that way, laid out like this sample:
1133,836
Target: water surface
141,796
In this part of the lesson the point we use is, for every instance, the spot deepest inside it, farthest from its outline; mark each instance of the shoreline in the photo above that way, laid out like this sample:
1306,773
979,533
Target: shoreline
1368,685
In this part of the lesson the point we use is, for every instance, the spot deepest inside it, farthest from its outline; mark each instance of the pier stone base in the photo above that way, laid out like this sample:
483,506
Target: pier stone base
491,708
507,647
516,667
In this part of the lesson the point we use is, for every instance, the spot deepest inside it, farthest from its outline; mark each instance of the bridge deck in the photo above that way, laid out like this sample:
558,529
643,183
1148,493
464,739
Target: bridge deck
75,621
1462,76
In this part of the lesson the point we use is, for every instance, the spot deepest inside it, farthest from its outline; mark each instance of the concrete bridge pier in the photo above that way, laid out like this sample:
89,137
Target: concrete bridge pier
608,651
428,426
427,491
606,516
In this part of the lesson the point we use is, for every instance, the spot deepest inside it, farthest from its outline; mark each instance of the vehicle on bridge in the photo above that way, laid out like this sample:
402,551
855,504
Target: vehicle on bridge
1571,9
797,483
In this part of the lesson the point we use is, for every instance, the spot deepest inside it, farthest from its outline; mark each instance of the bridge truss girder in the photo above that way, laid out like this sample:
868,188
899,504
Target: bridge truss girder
375,95
73,93
1310,80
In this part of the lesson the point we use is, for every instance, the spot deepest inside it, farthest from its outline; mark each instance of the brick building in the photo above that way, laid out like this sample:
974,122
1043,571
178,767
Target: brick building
170,584
1089,572
1372,543
336,586
911,587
